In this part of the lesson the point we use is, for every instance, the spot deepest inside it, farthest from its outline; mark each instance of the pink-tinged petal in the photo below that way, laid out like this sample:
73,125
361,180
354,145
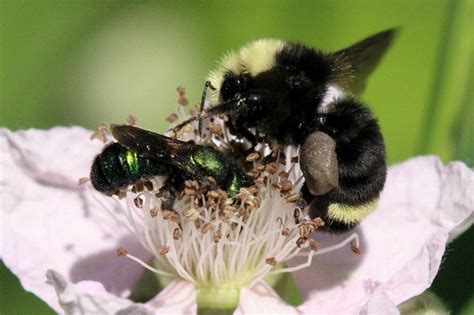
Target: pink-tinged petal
179,297
262,299
402,242
50,222
458,191
380,303
89,297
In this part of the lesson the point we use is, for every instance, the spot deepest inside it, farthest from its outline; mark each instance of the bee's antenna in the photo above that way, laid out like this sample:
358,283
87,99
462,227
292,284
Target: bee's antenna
203,100
222,108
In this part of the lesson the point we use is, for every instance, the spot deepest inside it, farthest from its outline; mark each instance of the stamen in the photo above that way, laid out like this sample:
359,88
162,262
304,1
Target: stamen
211,240
353,239
147,266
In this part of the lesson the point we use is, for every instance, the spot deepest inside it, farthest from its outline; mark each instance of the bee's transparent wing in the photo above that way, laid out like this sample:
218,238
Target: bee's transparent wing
356,62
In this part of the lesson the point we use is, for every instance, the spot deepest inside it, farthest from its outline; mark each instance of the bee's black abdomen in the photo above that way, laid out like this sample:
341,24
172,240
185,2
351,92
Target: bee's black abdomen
360,150
361,161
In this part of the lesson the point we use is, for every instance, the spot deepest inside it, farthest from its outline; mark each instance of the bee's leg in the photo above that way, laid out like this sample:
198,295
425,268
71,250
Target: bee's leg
207,85
241,133
173,184
318,162
168,198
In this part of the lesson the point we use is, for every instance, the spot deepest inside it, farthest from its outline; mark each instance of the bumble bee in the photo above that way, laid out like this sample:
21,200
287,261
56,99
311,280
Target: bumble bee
296,95
140,154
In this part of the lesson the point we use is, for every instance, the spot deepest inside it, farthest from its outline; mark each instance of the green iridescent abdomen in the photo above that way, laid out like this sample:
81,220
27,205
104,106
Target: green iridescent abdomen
117,167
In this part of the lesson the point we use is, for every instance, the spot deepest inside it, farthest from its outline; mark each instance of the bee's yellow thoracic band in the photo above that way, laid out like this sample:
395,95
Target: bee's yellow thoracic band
254,58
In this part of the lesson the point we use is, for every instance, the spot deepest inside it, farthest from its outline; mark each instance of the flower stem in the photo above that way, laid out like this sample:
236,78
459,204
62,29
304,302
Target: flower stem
217,301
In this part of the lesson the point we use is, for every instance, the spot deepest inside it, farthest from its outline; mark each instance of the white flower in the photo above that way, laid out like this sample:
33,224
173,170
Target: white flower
50,222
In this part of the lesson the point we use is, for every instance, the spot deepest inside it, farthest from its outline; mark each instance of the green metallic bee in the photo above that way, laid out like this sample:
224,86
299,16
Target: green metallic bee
140,154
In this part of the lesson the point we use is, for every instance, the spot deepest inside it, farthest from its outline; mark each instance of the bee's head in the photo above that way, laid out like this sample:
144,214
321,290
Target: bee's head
272,85
269,79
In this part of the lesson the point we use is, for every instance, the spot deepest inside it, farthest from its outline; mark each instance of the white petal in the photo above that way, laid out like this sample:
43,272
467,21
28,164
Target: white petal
262,299
90,297
49,221
379,303
402,242
179,297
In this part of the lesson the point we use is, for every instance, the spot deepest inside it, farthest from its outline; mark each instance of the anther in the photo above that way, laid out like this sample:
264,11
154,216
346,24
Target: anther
138,187
83,180
286,185
132,120
171,118
259,182
171,216
313,245
181,90
355,249
292,198
259,167
182,100
253,157
300,241
148,185
303,231
191,214
164,249
296,213
280,221
271,168
177,233
213,194
138,202
276,185
101,132
215,129
153,212
211,180
122,251
318,221
217,235
206,227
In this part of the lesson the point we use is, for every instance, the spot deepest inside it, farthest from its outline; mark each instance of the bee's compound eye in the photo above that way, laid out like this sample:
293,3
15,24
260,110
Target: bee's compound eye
230,87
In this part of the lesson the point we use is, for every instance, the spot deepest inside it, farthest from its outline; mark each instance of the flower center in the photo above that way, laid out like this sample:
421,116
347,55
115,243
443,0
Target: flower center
217,242
211,240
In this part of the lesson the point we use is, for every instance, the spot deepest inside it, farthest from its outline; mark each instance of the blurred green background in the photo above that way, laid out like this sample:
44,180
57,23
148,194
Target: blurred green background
85,62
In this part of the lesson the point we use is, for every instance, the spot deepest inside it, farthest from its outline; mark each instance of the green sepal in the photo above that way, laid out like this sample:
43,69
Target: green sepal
285,286
148,286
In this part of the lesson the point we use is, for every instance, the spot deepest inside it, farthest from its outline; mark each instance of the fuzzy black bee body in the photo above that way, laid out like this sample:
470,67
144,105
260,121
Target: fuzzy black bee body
140,154
294,94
